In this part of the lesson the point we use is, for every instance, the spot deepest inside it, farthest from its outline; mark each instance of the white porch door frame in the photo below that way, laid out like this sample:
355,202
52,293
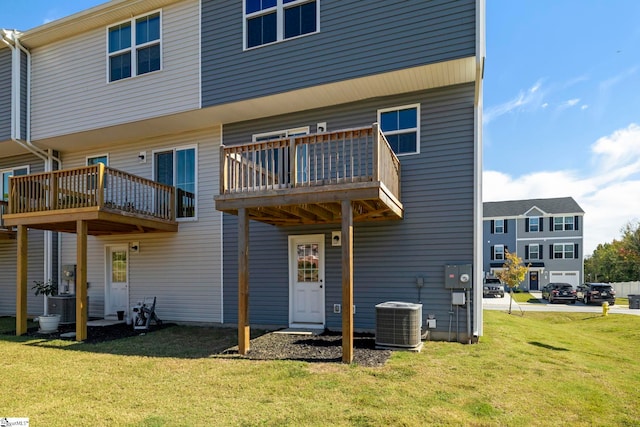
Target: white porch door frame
307,298
116,293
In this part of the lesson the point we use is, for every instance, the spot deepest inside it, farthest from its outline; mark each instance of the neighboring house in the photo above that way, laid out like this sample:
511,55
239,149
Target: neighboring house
247,102
547,234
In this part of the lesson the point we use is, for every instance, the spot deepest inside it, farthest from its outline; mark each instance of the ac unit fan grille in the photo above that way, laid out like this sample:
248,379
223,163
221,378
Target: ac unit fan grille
398,324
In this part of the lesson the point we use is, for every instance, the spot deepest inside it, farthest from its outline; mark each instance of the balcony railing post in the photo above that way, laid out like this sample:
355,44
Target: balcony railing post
100,189
224,173
293,160
53,190
376,152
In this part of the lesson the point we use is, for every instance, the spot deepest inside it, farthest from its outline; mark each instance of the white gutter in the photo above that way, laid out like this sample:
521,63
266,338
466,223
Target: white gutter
11,39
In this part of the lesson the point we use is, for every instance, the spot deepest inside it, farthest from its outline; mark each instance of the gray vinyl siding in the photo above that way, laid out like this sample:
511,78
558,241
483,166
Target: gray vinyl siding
183,269
5,94
437,193
69,80
8,253
356,39
490,240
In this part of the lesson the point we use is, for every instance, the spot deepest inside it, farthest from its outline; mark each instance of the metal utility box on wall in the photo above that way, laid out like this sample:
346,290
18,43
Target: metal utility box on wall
457,276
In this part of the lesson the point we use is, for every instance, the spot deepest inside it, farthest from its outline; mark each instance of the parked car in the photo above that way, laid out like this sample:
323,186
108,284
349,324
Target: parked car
546,290
596,293
493,287
562,292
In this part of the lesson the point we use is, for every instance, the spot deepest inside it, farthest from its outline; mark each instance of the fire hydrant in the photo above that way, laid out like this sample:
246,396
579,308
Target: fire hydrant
605,308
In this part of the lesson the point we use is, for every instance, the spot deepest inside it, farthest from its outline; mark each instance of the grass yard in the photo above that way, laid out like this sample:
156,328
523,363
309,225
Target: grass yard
525,297
536,369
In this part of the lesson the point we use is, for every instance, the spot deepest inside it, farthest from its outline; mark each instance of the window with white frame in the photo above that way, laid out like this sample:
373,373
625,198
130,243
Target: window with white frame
92,179
134,47
277,159
534,224
94,160
498,252
563,223
269,21
6,174
534,252
400,126
498,226
563,251
178,167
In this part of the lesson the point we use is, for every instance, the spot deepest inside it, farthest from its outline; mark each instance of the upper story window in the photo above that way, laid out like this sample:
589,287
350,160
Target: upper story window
269,21
498,226
533,252
177,167
563,223
6,174
533,225
134,47
400,126
565,251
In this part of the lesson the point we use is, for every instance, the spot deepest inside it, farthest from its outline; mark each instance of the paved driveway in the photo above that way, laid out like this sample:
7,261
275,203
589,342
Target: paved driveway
502,304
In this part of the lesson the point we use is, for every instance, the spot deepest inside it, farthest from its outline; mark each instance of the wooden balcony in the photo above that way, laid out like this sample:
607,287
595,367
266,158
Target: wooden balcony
304,179
6,233
109,200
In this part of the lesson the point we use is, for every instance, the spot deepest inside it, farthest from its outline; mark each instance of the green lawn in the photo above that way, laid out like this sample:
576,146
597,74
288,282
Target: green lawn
525,297
536,369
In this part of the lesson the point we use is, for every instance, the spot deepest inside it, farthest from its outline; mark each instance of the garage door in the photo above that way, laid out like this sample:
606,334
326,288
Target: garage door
570,277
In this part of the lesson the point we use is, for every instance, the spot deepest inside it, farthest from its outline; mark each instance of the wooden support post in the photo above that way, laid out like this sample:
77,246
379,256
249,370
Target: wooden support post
81,281
376,152
21,282
243,281
347,281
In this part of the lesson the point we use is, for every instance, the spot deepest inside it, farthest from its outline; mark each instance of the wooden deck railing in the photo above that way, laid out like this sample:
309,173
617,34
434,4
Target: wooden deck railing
3,208
91,186
340,157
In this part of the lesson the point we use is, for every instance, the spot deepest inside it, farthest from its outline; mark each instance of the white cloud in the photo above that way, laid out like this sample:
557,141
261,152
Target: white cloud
528,99
584,106
608,194
569,103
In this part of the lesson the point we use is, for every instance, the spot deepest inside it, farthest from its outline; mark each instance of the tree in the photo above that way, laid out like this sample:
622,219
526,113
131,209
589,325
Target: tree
618,261
513,273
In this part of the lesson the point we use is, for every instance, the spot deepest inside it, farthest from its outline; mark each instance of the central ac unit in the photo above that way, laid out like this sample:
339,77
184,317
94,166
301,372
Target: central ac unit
398,324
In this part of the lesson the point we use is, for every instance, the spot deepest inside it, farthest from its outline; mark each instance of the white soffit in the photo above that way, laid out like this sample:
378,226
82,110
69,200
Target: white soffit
402,81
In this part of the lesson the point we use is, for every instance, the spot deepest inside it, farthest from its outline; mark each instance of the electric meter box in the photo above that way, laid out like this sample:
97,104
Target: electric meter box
457,276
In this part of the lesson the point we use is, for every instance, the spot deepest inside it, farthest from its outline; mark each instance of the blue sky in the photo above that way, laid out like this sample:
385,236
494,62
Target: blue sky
561,102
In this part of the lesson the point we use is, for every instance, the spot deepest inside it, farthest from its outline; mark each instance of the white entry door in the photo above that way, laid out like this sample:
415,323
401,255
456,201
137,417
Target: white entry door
306,280
117,283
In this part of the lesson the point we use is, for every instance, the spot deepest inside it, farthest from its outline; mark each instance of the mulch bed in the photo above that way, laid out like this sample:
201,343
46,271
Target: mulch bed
326,347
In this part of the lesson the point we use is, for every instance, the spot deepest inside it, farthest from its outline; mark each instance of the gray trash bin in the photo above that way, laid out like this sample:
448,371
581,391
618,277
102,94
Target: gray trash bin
634,302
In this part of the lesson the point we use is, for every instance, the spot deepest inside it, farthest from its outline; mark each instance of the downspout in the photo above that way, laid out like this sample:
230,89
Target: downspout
477,233
11,39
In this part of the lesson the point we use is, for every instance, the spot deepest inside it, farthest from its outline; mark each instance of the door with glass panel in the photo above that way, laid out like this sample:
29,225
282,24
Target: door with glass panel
306,275
117,280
